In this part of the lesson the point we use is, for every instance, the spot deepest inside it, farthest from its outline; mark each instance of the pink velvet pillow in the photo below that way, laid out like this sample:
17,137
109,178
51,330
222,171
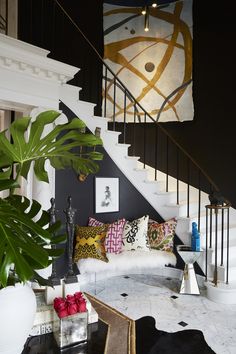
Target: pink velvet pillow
113,240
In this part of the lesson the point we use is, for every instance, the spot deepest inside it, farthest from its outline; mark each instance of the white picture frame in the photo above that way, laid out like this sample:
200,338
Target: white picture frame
106,194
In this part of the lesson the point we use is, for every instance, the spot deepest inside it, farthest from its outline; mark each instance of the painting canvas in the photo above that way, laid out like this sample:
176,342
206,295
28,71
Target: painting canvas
155,66
106,194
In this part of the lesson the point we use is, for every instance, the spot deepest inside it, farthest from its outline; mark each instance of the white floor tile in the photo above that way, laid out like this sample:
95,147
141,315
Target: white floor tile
150,295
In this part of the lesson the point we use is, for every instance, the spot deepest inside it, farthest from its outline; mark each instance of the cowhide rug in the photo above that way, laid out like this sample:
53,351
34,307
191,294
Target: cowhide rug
149,340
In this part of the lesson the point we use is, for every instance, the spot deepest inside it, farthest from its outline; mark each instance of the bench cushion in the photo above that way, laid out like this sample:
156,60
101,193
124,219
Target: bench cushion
127,260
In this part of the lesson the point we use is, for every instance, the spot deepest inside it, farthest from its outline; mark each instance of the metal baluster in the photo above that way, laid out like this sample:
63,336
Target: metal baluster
105,94
167,163
227,261
222,238
206,269
144,140
156,149
199,200
124,128
177,176
188,186
134,130
114,104
215,279
210,228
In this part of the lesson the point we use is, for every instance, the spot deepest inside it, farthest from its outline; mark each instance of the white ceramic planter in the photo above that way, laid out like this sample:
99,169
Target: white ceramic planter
17,309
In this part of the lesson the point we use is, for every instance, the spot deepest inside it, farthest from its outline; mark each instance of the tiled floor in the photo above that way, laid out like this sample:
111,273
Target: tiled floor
142,295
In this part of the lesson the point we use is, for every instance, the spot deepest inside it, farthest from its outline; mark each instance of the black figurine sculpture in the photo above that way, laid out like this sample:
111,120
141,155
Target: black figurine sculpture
54,279
70,214
216,198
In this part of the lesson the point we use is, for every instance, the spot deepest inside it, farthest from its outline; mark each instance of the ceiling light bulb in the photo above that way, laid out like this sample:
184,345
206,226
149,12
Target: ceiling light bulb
144,10
146,29
154,4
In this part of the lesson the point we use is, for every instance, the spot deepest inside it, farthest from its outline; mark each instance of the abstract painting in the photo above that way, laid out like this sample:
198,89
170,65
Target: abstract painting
155,66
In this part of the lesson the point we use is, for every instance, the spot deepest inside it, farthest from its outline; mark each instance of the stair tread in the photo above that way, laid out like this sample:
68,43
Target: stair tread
112,132
86,103
101,118
132,157
123,145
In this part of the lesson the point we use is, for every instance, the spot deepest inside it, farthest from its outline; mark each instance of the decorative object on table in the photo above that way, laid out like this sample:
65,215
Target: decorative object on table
195,239
189,283
55,288
70,320
25,236
70,229
216,198
43,321
106,194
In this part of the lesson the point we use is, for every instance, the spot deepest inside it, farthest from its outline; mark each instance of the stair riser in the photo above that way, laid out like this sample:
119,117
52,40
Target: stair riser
181,210
70,91
232,238
221,273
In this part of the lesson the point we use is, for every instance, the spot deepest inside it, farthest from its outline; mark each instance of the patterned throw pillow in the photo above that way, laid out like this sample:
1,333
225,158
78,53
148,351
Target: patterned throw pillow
135,235
90,242
113,240
161,235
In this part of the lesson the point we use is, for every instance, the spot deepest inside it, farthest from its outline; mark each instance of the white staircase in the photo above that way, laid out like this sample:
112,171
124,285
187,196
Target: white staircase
154,192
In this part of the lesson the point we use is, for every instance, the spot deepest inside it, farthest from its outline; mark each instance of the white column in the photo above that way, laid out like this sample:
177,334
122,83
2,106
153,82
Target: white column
38,190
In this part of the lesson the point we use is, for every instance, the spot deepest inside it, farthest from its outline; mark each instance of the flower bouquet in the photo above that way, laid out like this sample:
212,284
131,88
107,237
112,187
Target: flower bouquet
70,320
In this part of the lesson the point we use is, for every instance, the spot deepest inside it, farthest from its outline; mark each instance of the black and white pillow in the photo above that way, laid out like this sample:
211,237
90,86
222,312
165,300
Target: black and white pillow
135,235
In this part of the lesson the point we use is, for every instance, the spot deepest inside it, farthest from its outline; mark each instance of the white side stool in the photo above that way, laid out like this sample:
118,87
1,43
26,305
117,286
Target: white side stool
189,283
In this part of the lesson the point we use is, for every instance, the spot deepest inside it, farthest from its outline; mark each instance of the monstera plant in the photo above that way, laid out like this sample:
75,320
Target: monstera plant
25,233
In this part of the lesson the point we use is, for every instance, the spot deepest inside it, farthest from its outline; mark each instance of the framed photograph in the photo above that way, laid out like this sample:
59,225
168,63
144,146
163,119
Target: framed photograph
106,194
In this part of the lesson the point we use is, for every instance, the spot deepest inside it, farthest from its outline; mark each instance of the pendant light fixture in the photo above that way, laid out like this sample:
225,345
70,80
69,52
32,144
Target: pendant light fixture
145,12
146,20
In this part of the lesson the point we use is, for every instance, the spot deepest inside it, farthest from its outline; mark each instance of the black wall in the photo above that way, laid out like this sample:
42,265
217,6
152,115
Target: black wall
210,137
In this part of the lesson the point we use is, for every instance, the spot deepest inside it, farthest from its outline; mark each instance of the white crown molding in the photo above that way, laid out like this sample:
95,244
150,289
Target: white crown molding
20,56
28,76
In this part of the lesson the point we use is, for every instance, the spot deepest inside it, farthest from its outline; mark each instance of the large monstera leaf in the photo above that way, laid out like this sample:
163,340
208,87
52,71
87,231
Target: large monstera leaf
25,234
57,146
23,241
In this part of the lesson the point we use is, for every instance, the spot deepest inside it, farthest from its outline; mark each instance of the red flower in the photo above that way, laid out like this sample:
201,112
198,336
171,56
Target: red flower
60,307
78,295
71,305
82,306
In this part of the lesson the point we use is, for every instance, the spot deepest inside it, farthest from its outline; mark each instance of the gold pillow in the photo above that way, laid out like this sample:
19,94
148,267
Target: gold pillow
90,242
